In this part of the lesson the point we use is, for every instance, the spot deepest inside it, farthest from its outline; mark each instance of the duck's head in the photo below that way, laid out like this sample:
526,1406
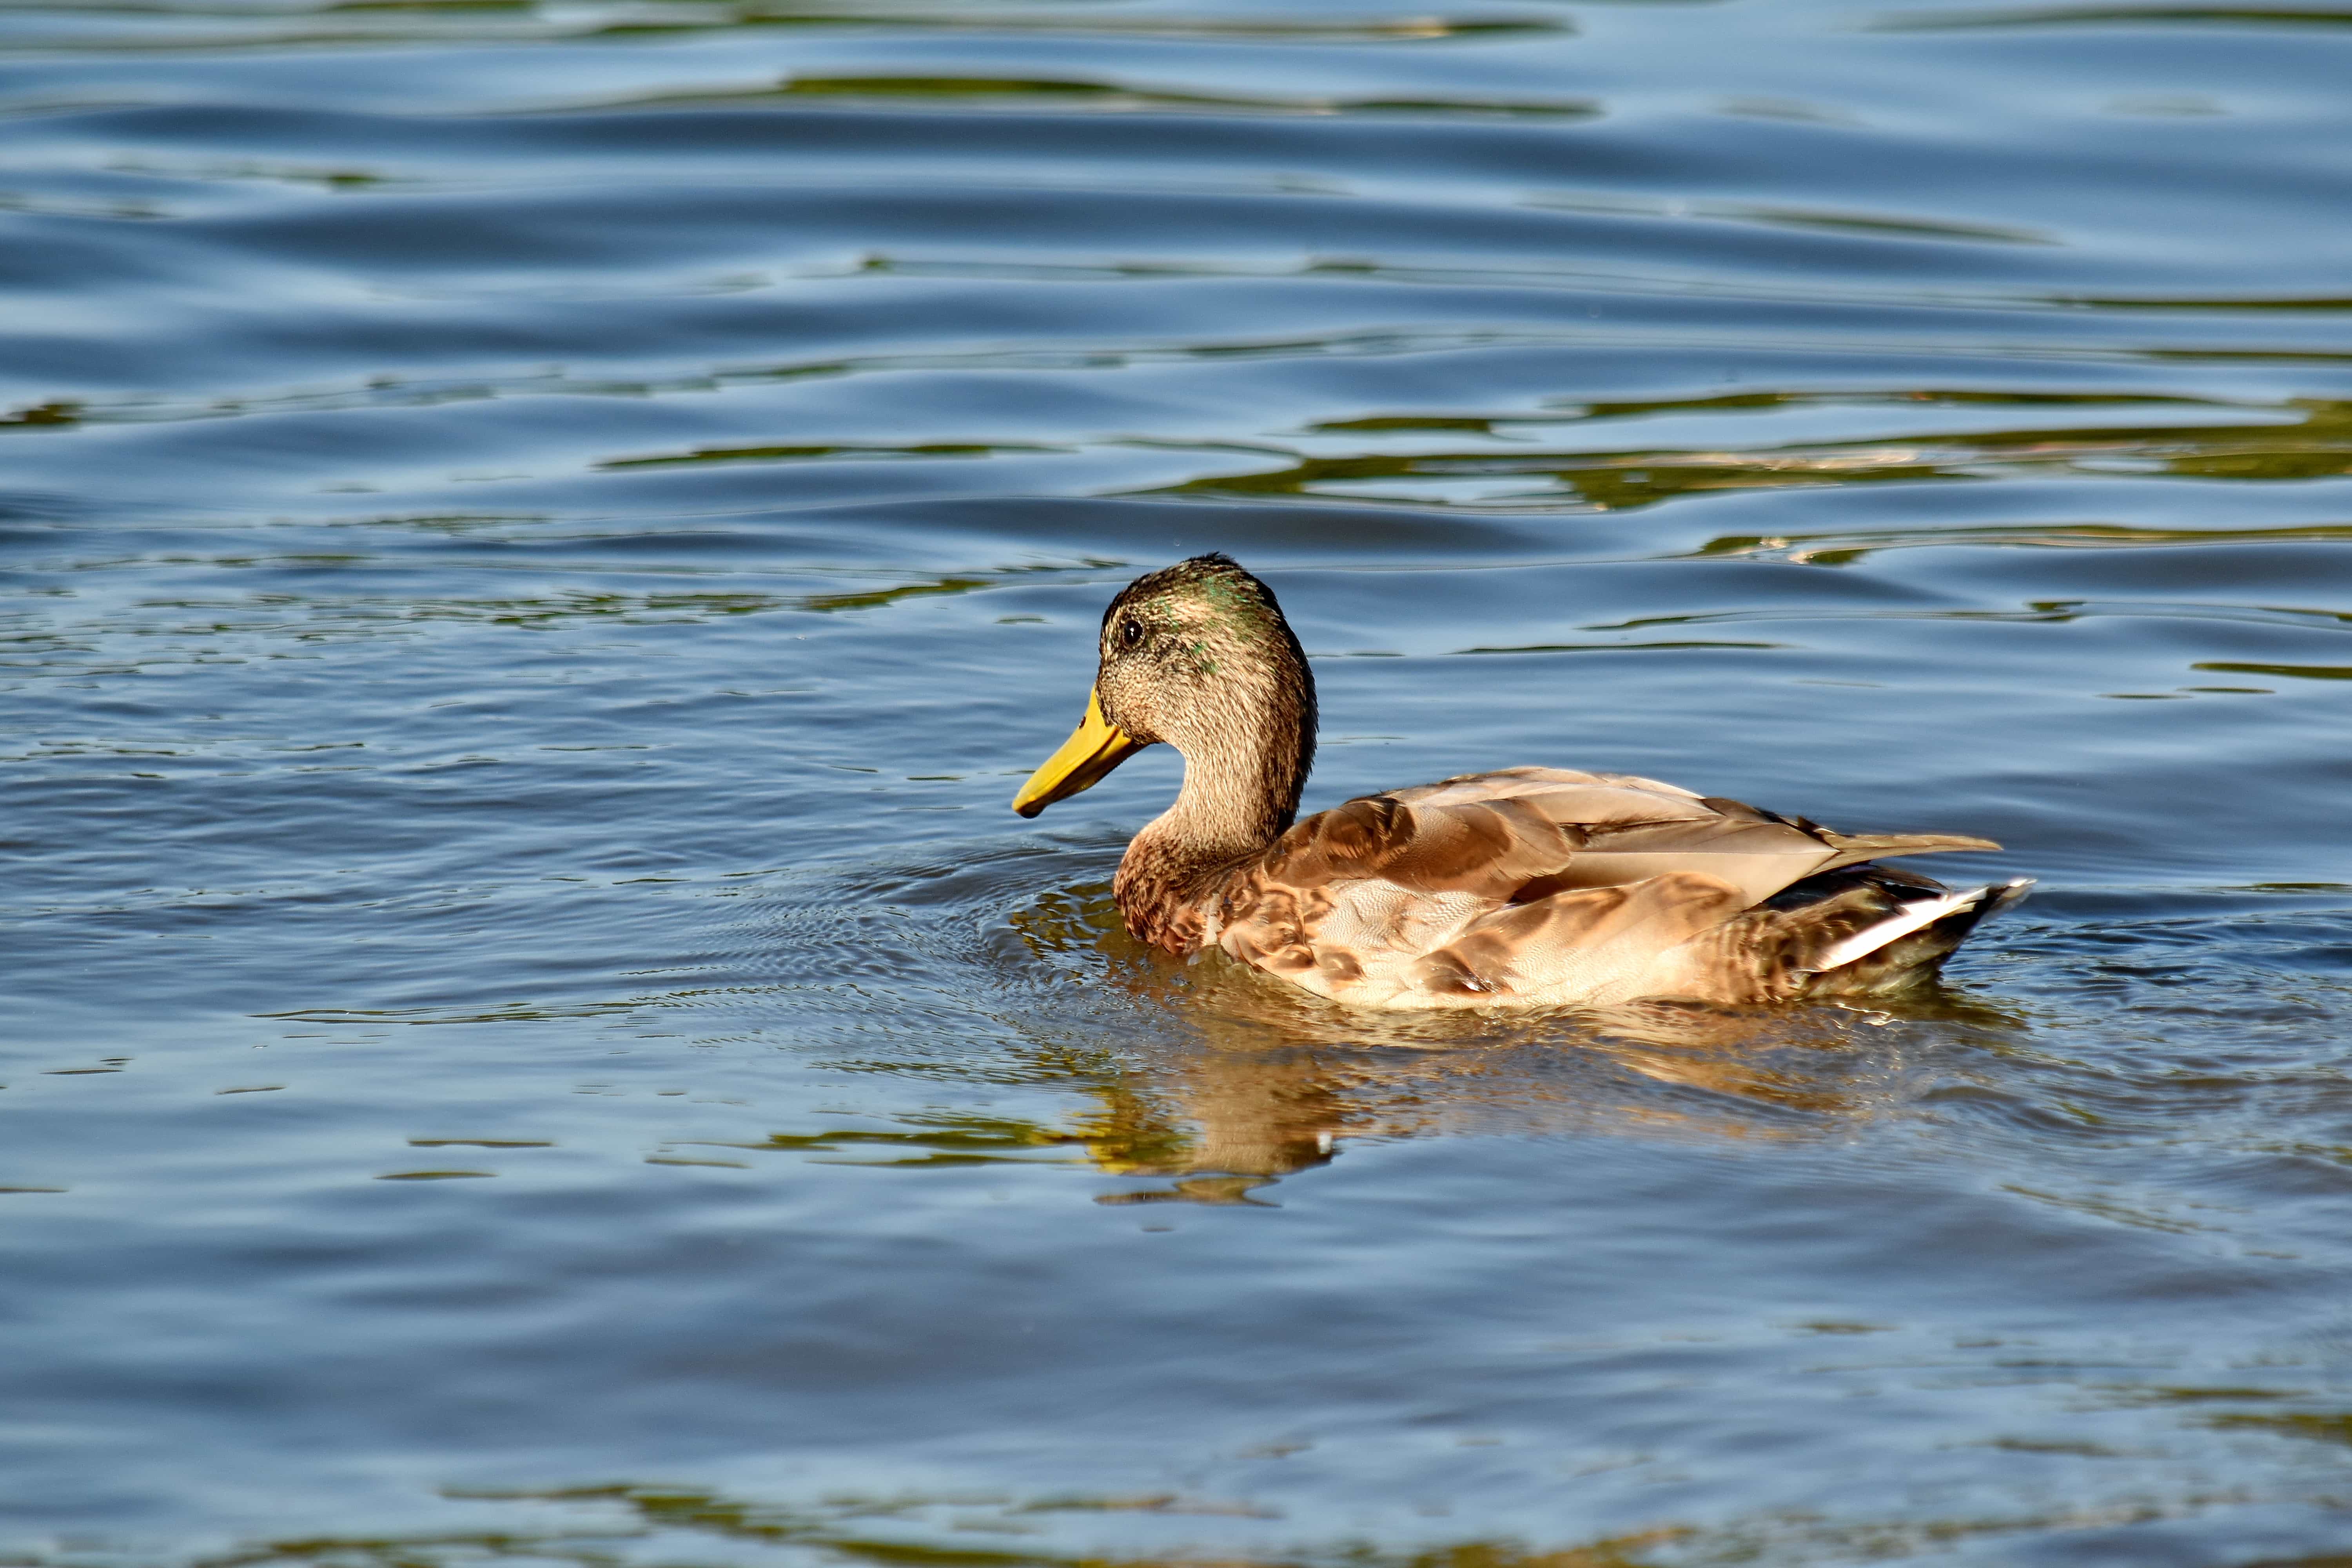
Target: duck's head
1196,655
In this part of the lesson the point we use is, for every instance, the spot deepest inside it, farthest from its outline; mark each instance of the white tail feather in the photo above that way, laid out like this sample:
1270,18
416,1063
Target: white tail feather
1926,913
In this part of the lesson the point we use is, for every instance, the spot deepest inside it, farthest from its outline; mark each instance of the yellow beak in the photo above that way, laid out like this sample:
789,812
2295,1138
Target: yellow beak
1086,759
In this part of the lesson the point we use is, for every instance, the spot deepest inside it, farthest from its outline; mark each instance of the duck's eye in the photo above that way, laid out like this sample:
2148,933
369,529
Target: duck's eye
1129,634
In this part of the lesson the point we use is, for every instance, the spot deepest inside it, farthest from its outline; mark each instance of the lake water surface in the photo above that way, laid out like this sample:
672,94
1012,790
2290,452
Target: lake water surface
537,540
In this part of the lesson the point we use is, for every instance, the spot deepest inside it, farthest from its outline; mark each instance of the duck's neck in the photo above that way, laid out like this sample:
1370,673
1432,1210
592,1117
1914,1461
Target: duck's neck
1240,794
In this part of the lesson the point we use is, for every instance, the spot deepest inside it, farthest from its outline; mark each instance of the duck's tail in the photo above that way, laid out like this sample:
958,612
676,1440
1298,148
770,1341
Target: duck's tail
1873,929
1915,930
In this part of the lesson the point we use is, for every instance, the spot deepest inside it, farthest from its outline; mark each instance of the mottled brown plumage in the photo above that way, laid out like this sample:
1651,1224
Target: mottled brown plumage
1525,886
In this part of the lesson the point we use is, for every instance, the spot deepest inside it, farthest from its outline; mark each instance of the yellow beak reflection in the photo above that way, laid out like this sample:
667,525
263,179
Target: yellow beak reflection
1086,759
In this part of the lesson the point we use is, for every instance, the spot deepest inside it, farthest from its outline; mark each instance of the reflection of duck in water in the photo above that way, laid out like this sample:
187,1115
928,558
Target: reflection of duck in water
1227,1079
1250,1086
1526,886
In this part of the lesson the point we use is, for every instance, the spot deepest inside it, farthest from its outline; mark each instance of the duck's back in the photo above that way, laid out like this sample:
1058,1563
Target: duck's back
1548,886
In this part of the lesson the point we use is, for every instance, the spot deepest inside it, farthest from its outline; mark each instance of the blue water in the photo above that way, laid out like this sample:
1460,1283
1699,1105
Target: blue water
537,540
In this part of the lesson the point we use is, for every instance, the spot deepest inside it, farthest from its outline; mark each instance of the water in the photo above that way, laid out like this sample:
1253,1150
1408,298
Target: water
540,539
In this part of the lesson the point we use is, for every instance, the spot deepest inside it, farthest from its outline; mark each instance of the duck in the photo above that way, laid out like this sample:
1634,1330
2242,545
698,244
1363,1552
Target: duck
1523,886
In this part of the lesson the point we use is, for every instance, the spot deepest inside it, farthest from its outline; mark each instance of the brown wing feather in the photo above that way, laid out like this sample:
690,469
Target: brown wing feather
1536,881
1594,940
1484,848
1523,834
1563,794
1853,849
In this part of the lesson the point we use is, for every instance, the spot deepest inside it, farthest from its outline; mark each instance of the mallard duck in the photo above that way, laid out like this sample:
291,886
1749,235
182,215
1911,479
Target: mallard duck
1526,886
